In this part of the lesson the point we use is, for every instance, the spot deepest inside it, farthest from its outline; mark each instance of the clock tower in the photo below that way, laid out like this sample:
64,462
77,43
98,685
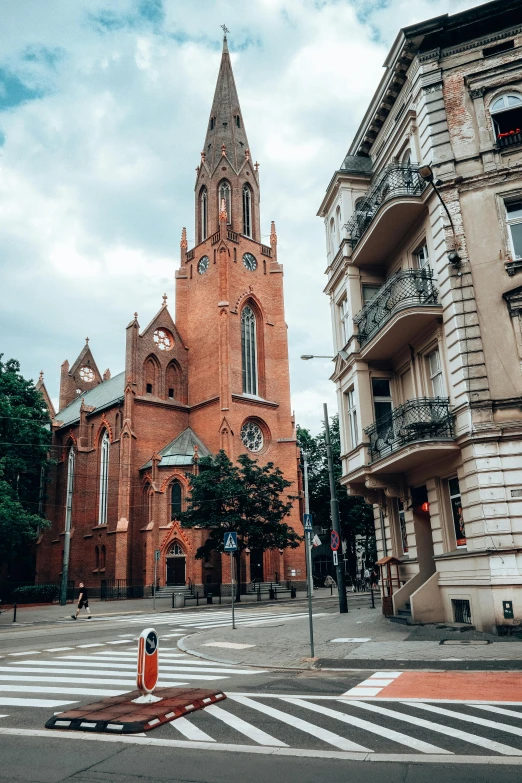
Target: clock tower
230,314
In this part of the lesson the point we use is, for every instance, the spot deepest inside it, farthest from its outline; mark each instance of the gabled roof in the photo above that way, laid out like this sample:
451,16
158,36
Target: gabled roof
180,451
225,109
102,396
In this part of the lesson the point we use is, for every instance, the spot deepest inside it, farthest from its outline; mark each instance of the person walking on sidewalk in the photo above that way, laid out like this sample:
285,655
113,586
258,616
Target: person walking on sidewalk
83,602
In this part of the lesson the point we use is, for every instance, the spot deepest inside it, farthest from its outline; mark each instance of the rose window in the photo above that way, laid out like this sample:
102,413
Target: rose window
87,374
163,339
252,436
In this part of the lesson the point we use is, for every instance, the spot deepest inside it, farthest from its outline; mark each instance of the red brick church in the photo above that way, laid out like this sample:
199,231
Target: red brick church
217,378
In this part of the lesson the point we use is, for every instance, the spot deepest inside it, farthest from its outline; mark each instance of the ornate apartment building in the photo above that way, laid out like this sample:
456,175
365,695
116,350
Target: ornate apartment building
424,242
216,378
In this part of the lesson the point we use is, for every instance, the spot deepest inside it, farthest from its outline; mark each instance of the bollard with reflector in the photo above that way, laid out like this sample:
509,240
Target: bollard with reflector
147,673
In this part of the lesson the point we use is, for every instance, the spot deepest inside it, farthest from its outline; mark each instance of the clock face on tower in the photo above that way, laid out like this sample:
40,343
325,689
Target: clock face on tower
203,265
250,262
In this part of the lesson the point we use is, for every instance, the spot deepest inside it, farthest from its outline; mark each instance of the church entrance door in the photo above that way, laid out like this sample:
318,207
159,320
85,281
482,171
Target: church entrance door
256,565
176,566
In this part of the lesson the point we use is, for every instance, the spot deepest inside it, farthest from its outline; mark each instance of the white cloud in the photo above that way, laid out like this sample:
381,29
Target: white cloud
97,174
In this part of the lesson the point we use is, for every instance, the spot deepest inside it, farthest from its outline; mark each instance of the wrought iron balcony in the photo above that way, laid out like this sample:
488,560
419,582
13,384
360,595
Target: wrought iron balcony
397,179
511,139
423,419
407,288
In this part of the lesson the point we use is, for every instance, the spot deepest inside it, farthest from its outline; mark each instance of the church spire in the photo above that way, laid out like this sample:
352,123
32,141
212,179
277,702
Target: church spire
226,129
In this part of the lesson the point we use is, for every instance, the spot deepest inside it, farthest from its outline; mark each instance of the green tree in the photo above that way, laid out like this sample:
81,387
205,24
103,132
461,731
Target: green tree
25,436
248,498
355,515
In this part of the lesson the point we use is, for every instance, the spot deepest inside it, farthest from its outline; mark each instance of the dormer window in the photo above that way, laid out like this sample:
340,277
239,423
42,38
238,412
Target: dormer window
506,115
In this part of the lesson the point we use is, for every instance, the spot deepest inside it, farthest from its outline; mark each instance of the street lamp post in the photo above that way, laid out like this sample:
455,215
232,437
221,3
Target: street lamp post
334,505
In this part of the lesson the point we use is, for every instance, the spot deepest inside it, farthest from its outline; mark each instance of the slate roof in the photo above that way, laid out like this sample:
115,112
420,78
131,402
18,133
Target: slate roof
102,396
181,450
357,164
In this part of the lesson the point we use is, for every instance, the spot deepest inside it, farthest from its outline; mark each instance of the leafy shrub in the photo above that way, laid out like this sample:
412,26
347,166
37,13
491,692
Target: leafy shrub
35,594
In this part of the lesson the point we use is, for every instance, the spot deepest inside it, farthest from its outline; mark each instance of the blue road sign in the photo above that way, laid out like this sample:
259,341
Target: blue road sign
230,542
307,522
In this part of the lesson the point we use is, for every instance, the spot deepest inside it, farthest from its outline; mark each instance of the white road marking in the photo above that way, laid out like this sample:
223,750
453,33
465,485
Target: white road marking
29,652
385,675
36,670
359,691
490,708
62,691
252,732
121,641
58,649
124,683
459,716
473,739
190,731
302,725
96,644
228,645
352,640
6,701
205,667
381,731
372,686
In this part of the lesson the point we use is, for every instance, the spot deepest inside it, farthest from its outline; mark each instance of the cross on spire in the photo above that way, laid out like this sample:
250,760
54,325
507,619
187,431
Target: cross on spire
225,30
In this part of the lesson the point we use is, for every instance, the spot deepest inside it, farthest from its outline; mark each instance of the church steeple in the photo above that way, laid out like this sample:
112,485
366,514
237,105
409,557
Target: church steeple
225,126
226,171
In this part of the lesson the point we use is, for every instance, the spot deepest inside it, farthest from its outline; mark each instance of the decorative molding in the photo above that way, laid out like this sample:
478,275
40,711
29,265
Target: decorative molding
512,267
482,42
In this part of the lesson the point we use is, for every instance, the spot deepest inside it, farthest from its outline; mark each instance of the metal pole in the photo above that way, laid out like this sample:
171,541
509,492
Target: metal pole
308,548
334,505
154,585
232,588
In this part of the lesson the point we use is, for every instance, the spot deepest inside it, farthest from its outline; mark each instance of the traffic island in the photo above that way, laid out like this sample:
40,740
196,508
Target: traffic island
122,715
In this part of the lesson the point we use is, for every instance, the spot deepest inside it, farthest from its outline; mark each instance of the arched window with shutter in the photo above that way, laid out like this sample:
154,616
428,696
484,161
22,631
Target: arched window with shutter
247,210
249,350
104,479
175,500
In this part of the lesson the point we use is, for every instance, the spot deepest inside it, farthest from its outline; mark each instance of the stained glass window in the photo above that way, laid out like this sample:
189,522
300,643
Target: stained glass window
252,436
249,350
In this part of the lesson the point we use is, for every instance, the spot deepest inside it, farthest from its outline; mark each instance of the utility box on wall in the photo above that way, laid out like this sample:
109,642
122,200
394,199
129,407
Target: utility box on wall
507,606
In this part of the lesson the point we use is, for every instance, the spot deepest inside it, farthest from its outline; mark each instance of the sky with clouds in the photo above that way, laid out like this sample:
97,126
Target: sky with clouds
103,111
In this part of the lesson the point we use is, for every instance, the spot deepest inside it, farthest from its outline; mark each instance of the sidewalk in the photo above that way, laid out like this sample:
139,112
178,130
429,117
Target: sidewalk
367,641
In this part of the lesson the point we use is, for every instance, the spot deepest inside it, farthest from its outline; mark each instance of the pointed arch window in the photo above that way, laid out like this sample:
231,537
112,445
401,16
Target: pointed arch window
225,193
203,213
104,479
175,500
247,211
249,350
70,488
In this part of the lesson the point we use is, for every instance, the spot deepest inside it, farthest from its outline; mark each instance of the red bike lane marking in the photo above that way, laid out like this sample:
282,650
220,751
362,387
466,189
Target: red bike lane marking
455,685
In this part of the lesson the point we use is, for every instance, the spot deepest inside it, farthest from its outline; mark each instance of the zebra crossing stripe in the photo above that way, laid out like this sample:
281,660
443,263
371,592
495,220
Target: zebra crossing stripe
473,739
120,682
467,718
250,731
316,731
57,690
499,710
190,731
381,731
48,703
86,671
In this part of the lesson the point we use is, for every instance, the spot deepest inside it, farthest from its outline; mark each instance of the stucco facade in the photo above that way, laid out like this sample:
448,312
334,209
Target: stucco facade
423,243
216,378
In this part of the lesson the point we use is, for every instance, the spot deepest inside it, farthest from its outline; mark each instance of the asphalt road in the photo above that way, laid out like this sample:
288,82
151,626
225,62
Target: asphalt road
275,725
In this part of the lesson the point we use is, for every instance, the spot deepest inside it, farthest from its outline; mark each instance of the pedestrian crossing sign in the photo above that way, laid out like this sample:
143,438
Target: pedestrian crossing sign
307,522
230,542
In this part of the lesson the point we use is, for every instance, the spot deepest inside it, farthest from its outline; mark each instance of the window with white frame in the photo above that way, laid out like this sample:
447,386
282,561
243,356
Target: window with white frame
506,115
514,224
351,412
344,319
382,399
435,371
421,256
456,511
70,489
104,479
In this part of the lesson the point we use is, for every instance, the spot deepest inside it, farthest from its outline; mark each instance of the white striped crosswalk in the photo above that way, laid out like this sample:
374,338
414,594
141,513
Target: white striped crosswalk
100,673
206,620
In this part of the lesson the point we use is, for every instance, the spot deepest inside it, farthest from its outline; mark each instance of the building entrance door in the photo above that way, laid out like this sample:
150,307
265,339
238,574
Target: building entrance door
256,565
176,566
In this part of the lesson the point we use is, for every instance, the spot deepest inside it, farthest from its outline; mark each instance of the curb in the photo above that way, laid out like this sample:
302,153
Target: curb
197,654
498,664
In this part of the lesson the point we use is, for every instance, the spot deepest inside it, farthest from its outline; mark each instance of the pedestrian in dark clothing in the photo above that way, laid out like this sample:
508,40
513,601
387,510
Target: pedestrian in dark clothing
83,602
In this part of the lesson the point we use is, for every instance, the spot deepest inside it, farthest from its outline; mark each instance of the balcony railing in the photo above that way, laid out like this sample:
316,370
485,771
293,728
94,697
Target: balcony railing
408,288
423,419
511,139
397,179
